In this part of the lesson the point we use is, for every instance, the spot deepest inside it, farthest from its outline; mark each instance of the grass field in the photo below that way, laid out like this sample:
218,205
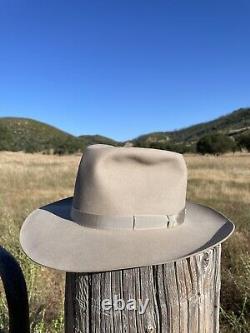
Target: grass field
28,181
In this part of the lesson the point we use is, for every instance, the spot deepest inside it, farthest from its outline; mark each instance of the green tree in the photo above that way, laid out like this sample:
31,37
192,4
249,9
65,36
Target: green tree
69,145
31,148
6,140
244,141
159,145
215,144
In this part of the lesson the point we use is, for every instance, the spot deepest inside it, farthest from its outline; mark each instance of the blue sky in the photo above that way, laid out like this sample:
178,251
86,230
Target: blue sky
125,67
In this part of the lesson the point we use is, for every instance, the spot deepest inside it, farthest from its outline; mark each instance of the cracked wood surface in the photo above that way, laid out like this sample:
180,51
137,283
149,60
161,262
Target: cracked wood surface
183,298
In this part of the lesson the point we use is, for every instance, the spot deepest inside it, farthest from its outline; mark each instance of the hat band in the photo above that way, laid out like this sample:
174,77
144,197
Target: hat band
133,222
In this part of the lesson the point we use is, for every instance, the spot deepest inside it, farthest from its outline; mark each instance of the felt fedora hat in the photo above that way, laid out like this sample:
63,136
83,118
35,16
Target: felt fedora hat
129,209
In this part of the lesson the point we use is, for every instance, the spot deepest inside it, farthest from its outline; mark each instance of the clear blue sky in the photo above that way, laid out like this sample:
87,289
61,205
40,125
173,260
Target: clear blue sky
124,67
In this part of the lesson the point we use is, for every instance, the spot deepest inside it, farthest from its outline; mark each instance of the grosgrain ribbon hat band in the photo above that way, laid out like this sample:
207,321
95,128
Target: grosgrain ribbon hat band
127,222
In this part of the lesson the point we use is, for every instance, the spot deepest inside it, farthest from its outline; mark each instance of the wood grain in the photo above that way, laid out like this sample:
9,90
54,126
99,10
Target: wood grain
183,298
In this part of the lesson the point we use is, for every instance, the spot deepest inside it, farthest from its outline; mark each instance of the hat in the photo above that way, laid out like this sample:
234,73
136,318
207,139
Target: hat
129,209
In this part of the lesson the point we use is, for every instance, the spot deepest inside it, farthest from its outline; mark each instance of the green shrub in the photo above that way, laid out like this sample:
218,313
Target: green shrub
215,144
5,138
244,141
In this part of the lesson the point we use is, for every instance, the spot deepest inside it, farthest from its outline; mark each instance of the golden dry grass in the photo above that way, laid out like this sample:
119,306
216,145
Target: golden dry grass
28,181
226,176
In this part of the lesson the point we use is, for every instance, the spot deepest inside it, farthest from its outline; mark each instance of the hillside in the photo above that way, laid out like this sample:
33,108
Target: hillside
21,134
231,124
29,135
93,139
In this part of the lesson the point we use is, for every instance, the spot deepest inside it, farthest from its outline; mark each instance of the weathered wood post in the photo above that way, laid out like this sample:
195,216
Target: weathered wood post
183,298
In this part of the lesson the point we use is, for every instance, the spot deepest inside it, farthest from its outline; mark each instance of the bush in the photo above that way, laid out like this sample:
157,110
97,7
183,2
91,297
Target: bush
170,146
215,144
244,141
5,138
69,145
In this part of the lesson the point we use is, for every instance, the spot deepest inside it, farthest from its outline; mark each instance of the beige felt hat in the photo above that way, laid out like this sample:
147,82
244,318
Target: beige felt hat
129,209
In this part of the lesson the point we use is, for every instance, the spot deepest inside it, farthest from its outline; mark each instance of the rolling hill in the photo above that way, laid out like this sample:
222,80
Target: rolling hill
93,139
22,134
230,124
29,135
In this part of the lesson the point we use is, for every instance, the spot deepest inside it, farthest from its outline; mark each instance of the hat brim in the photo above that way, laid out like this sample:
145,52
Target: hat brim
50,238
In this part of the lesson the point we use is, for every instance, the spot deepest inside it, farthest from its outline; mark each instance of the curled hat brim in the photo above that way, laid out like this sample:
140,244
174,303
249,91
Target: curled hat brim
50,238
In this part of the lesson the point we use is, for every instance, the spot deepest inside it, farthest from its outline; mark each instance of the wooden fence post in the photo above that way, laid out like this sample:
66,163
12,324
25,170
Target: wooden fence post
183,298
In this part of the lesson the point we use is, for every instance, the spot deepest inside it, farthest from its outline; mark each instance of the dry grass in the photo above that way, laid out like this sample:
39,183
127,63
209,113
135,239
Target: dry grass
224,183
28,181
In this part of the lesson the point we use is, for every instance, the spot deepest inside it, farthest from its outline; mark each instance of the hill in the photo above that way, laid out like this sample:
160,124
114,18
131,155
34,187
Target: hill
29,135
22,134
93,139
230,124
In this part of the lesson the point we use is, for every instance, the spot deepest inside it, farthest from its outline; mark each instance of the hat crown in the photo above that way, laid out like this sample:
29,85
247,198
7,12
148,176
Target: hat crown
124,181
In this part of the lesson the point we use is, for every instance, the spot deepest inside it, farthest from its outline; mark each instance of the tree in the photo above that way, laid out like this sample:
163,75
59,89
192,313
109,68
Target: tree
69,145
215,144
31,148
6,140
244,141
159,145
